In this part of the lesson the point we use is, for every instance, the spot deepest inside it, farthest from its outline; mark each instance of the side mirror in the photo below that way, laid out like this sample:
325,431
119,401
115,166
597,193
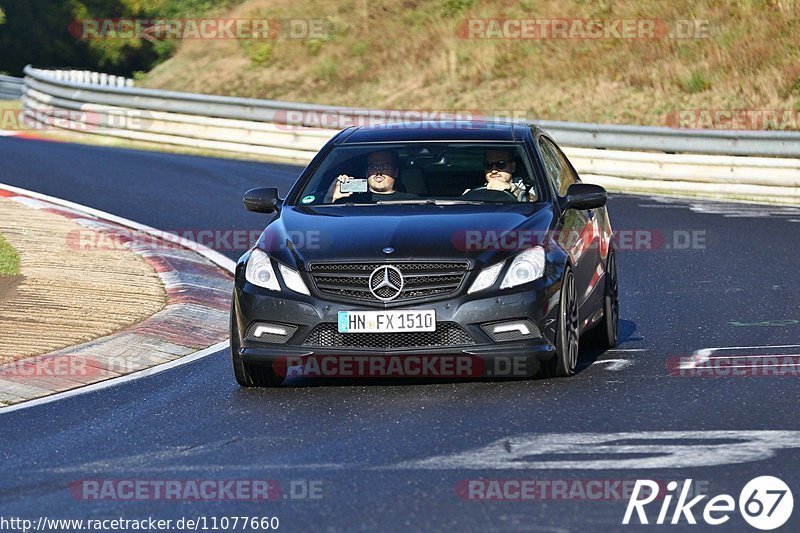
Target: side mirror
262,200
584,196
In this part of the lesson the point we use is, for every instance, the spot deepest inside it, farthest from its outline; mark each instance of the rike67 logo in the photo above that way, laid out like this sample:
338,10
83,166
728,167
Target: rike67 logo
765,503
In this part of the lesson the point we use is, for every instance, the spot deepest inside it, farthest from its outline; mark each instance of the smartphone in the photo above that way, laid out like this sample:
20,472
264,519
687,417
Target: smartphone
354,186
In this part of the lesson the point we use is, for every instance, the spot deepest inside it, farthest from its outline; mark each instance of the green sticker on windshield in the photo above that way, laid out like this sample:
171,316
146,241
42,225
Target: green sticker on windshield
308,199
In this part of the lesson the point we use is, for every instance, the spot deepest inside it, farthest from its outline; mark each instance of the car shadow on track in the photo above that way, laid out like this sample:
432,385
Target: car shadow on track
588,356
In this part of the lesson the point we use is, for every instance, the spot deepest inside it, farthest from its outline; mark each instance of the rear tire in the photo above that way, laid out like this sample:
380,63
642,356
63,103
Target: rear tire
248,374
604,335
564,363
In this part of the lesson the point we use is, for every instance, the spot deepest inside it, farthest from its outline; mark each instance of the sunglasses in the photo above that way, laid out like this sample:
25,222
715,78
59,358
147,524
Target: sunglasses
499,164
380,167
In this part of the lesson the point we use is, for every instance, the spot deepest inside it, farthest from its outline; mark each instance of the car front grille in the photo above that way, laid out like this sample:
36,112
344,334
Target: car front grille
447,334
350,281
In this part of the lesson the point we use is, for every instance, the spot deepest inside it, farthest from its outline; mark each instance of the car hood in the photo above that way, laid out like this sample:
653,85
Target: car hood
301,235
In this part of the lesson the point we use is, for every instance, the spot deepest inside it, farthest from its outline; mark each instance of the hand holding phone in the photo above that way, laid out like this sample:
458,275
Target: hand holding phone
353,185
345,186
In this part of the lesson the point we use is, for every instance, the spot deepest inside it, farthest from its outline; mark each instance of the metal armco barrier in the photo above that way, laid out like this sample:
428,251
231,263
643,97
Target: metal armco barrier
10,88
746,165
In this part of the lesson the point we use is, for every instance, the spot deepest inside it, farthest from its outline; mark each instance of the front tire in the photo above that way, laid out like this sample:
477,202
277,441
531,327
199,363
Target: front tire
247,374
604,335
564,363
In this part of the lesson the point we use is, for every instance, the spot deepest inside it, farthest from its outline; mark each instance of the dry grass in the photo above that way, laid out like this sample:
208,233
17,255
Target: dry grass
68,295
407,54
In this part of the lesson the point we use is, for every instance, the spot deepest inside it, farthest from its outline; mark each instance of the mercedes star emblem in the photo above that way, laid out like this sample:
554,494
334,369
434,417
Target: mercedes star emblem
386,283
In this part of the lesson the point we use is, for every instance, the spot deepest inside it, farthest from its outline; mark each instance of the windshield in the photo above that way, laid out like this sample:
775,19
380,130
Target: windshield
440,173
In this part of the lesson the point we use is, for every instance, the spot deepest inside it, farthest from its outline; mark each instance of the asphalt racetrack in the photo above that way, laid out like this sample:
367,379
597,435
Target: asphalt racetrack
718,282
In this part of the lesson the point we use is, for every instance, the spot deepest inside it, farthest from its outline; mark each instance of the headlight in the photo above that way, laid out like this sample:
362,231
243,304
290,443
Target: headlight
486,278
527,266
259,271
292,279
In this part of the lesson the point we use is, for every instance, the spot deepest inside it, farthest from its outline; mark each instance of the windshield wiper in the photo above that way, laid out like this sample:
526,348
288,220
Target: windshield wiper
455,201
420,201
430,201
340,204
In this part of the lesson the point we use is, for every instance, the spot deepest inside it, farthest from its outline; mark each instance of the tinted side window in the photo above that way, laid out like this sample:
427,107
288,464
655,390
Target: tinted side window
552,164
560,165
568,176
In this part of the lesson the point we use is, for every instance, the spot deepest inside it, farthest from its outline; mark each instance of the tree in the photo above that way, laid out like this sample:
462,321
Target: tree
48,33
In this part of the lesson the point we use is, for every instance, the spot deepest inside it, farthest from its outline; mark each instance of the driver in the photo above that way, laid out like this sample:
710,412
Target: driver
499,167
381,173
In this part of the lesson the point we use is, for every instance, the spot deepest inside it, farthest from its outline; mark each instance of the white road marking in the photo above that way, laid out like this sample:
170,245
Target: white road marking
144,464
728,209
646,450
759,366
701,357
755,356
616,364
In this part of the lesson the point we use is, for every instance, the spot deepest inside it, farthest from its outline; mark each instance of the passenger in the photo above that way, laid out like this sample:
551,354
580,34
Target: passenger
382,169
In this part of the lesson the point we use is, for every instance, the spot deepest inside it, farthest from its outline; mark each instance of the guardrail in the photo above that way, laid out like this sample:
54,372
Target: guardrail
77,101
10,88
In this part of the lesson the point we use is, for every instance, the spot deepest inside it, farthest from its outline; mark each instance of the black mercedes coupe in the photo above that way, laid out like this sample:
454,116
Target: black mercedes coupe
419,243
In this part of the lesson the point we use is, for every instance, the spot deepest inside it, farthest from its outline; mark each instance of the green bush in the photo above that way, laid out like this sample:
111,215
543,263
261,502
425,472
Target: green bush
696,83
260,54
314,46
359,48
326,70
452,8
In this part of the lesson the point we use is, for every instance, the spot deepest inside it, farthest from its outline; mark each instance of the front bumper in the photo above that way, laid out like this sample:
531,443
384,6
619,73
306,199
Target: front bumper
537,303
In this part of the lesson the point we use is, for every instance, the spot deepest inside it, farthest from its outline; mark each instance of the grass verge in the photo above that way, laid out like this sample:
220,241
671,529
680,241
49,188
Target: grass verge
418,55
9,259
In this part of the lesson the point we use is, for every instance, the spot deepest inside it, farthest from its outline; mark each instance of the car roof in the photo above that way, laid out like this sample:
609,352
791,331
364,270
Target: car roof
434,130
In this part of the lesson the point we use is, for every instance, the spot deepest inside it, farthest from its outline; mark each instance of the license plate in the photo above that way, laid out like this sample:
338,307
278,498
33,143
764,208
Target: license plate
386,321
